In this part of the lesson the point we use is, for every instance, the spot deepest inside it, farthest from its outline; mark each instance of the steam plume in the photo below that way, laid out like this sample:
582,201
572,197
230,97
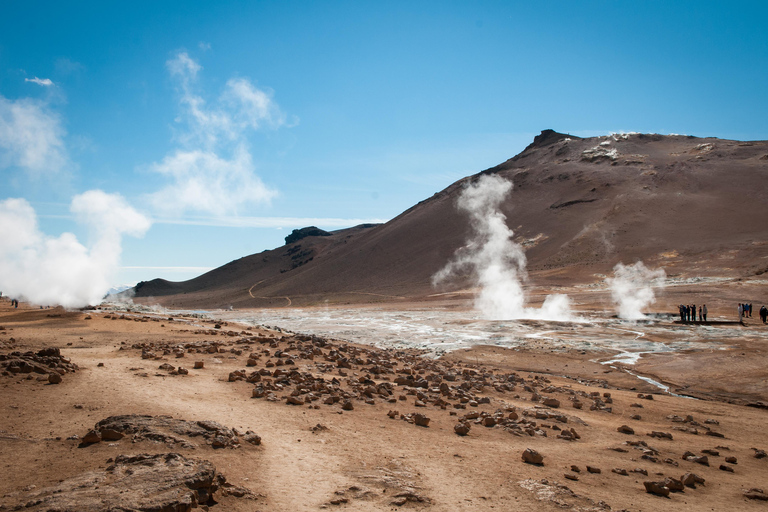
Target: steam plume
495,261
632,288
48,270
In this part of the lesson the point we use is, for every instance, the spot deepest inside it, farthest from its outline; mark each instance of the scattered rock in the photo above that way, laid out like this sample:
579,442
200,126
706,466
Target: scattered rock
421,420
461,429
625,429
657,488
756,494
531,456
691,479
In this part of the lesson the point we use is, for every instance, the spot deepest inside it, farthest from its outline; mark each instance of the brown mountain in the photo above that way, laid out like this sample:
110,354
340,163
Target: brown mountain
697,206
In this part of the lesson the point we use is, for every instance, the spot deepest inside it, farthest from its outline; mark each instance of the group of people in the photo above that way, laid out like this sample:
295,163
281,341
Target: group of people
688,312
745,310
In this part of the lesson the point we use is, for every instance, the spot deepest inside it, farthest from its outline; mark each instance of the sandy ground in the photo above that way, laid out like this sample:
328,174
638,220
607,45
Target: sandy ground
361,459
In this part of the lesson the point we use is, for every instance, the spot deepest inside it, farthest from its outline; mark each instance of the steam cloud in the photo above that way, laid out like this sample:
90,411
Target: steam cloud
495,261
632,288
60,270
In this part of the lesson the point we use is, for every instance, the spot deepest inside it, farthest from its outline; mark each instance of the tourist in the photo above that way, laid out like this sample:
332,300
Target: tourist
693,312
700,317
741,312
704,311
750,310
763,313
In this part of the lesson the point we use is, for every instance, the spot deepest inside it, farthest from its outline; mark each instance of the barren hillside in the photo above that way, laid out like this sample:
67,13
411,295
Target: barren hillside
697,206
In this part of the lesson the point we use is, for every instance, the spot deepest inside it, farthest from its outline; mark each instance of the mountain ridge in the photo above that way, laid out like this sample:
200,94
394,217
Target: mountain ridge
579,206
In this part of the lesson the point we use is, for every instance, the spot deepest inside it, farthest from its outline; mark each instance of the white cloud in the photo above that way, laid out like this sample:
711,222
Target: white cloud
213,170
204,46
31,136
61,270
254,107
45,82
183,66
204,181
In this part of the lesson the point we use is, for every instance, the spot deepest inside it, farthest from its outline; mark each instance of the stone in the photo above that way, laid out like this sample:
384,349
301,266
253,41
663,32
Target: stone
551,402
252,438
759,454
731,460
620,471
461,429
571,476
199,365
691,479
348,405
421,420
660,435
674,485
182,371
657,488
756,494
626,429
489,421
54,378
723,467
531,456
93,436
595,470
294,400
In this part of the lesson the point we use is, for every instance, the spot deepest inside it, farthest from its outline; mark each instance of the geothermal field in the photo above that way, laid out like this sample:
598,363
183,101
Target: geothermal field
512,343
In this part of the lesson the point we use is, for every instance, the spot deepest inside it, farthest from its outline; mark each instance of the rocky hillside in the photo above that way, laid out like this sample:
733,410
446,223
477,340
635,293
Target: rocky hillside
697,206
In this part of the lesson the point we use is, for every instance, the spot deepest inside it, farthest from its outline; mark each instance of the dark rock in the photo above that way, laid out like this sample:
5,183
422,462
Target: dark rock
162,482
531,456
461,429
657,488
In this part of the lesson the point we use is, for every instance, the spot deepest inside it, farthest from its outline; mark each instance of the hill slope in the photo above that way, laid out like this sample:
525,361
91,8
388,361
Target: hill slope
696,206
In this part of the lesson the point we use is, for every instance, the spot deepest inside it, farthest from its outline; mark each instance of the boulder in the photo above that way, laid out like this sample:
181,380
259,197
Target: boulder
626,429
657,488
531,456
461,429
421,420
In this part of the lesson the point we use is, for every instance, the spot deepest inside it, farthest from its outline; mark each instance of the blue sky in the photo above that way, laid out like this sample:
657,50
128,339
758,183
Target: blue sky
227,124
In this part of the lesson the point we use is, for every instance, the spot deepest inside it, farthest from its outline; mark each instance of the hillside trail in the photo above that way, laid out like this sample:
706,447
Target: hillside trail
250,292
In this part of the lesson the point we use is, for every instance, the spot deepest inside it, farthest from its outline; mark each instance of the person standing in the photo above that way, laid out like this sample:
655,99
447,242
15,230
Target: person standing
704,311
700,317
741,311
693,312
750,310
763,313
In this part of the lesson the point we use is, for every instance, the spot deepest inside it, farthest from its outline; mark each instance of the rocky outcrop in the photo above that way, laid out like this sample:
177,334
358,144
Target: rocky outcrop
167,430
165,482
